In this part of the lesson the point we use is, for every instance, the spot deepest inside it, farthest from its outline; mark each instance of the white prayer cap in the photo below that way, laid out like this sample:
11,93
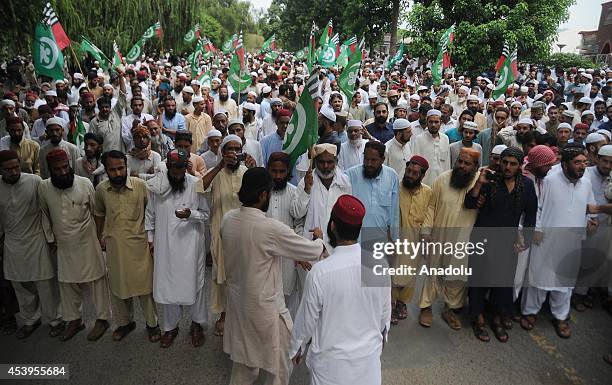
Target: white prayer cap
497,150
400,124
325,147
487,80
524,89
580,70
59,81
266,90
479,78
7,102
216,80
329,113
354,123
55,120
197,99
568,114
372,95
490,86
465,89
402,106
588,76
594,137
606,133
515,86
537,97
254,73
415,97
472,98
78,75
235,121
341,114
422,88
568,105
249,106
73,103
516,103
274,101
230,138
461,77
585,100
214,133
188,89
605,150
527,121
51,93
323,71
107,85
196,82
252,93
433,112
470,125
586,112
564,125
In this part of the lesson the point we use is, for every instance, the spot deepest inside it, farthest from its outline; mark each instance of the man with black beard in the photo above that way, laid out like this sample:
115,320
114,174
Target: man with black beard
55,130
282,195
377,186
268,124
224,102
175,216
89,166
451,222
27,149
473,104
68,201
327,134
120,217
28,261
380,128
258,322
514,136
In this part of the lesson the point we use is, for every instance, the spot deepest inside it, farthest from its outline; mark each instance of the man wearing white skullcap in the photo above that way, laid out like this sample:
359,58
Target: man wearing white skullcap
468,133
223,181
433,146
185,105
212,156
594,142
351,151
495,157
513,136
461,103
55,130
397,150
198,122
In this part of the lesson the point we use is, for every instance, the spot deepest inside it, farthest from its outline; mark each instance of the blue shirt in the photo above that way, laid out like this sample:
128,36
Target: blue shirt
380,196
453,135
176,123
343,136
383,135
269,144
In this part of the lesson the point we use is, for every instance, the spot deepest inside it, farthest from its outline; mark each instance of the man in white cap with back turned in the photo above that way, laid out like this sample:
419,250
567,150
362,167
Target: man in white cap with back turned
398,151
351,151
433,146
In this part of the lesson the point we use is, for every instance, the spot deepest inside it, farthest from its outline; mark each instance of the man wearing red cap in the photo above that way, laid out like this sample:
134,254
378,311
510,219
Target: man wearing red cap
414,199
336,308
68,201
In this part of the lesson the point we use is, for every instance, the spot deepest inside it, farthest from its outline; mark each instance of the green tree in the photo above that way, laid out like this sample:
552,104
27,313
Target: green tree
482,28
567,60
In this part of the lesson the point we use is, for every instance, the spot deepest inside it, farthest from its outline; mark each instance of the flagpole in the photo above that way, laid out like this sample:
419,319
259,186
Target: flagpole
78,63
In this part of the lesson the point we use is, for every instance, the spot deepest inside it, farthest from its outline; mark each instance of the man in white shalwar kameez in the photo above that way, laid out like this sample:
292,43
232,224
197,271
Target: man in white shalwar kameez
174,221
258,325
560,227
28,265
433,146
345,319
398,149
316,194
351,151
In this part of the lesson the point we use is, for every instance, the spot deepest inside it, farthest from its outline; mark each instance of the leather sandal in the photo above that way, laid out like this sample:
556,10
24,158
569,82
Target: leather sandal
402,310
197,335
528,321
26,330
98,330
122,331
562,328
426,317
449,316
154,333
478,327
168,338
72,329
56,330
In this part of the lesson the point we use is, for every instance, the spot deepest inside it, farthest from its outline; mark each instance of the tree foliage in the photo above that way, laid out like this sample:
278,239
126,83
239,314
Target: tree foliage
482,27
125,21
292,20
567,60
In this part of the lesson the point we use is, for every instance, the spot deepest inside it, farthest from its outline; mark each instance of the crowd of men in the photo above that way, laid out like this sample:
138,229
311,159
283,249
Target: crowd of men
173,174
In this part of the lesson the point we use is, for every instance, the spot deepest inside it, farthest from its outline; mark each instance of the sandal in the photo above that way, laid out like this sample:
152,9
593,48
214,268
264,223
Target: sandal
219,326
27,330
480,332
506,323
588,301
402,310
577,302
154,333
122,331
394,317
500,332
528,322
562,328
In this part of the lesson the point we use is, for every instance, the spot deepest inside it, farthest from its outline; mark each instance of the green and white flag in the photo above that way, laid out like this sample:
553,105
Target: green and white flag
399,55
347,79
47,57
193,34
238,79
301,54
507,71
302,131
228,45
269,45
204,78
270,56
135,52
117,58
88,46
327,56
194,58
153,30
443,59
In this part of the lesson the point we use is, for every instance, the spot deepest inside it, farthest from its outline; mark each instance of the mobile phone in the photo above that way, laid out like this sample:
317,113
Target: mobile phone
490,175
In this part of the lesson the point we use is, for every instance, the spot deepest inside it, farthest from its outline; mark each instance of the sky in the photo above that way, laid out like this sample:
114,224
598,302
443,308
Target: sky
584,16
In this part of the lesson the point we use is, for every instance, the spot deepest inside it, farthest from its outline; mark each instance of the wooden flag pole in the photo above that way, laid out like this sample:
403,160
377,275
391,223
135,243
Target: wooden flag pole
78,64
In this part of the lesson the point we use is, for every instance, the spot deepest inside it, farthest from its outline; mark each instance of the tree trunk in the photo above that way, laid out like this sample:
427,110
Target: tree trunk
394,21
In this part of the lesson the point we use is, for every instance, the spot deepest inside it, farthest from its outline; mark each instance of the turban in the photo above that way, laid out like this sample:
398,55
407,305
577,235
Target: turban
349,210
420,161
283,112
178,157
141,131
8,155
473,153
514,152
325,147
541,155
56,155
230,138
8,102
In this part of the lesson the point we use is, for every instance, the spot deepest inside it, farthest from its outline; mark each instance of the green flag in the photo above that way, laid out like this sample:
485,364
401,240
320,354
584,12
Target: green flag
301,54
269,45
204,78
327,56
88,46
77,135
399,55
194,58
303,127
343,58
236,77
326,34
47,57
228,46
135,52
193,34
346,81
507,71
443,59
117,58
270,56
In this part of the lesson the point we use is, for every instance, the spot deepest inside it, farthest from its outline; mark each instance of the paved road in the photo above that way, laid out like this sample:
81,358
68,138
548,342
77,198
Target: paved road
413,355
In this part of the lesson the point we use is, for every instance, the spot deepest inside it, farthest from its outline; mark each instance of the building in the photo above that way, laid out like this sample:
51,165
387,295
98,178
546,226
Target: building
598,44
